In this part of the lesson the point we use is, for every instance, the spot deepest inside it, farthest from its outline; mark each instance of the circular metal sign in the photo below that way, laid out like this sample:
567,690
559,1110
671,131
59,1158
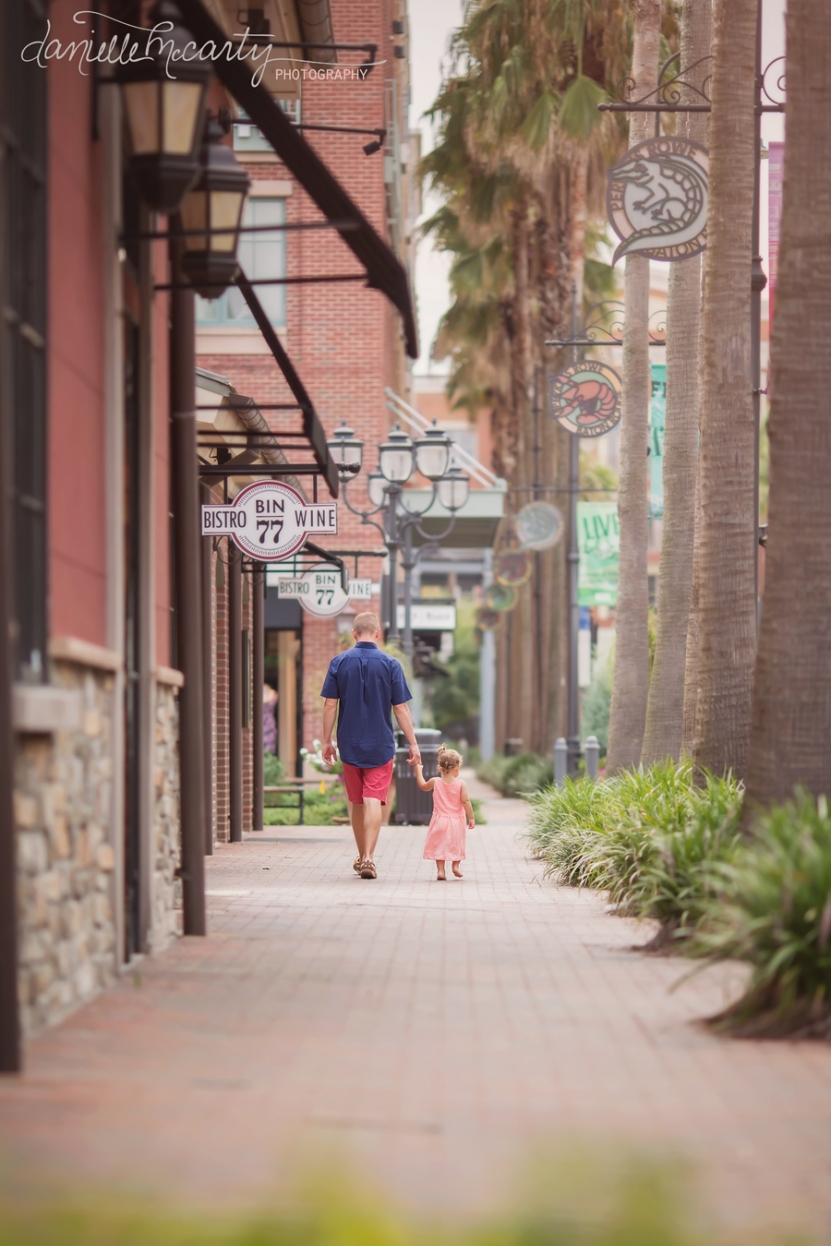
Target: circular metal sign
512,567
488,620
539,525
269,520
322,591
656,199
585,399
500,596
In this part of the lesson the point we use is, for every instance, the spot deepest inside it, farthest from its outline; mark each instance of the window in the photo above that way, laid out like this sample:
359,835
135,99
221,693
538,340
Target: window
248,138
261,255
23,89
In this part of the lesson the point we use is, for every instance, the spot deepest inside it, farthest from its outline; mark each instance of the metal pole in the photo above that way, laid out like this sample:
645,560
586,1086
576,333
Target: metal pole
207,677
10,1053
487,675
408,565
235,691
258,627
572,559
758,281
187,555
392,545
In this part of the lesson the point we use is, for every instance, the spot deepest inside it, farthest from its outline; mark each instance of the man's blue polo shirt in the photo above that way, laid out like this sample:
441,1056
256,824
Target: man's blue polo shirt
367,682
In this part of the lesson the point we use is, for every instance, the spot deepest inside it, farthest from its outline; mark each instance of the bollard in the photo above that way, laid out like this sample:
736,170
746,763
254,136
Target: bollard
591,750
560,759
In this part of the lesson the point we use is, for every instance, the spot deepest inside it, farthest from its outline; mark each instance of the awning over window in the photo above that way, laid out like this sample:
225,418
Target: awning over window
384,270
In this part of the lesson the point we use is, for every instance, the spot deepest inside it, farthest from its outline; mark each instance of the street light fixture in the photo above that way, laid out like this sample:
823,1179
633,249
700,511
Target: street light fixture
347,450
215,202
375,488
454,490
396,458
165,114
432,453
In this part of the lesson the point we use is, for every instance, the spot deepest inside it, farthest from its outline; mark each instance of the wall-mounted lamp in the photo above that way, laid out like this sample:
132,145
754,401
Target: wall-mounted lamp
215,205
165,115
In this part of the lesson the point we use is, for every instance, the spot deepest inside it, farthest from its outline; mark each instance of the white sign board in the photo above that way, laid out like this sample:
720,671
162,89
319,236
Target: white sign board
429,618
269,520
321,592
361,590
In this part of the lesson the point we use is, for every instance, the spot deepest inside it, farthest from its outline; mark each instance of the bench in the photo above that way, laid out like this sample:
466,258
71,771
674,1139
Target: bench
296,787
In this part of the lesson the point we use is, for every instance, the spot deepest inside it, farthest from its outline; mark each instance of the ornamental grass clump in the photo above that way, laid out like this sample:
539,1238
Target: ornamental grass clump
649,838
772,910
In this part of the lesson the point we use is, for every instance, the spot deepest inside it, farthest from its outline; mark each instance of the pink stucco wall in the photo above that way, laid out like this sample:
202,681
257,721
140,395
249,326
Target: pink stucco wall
77,548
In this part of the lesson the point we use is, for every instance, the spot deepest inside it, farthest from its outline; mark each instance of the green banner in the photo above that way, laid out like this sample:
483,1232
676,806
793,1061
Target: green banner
657,421
598,542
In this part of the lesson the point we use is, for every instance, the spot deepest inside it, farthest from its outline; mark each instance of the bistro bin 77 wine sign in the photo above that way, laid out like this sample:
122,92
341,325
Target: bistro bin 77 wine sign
270,521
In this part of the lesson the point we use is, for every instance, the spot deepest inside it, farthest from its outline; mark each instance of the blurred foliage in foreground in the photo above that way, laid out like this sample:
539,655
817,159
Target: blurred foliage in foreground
644,1204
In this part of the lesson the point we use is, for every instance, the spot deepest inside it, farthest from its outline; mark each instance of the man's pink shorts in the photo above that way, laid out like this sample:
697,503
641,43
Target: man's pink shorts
371,781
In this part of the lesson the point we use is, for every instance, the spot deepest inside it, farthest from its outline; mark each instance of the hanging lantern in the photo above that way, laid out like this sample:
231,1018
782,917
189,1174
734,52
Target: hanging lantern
347,452
454,488
375,483
432,453
396,457
164,95
214,205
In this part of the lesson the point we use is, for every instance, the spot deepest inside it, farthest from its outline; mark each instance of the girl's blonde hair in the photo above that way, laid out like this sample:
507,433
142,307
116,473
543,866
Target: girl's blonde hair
449,759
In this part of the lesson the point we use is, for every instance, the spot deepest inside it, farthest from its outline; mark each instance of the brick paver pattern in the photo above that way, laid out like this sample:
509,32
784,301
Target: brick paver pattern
432,1034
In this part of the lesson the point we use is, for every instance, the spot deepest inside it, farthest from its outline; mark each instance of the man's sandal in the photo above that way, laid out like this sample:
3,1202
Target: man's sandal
356,865
368,869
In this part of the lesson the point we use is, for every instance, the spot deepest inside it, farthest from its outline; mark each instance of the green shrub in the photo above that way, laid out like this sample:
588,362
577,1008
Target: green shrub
772,910
517,776
651,839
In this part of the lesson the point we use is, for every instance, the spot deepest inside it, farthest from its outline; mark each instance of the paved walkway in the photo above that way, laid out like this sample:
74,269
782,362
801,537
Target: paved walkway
434,1034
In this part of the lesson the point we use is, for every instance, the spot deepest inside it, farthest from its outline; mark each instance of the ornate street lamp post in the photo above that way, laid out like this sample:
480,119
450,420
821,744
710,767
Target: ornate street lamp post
398,457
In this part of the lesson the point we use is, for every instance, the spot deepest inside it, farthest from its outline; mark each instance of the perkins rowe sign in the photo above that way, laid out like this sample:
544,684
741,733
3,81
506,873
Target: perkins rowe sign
269,520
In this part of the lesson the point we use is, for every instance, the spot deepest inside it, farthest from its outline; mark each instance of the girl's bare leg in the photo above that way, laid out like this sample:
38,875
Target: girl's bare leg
456,869
441,876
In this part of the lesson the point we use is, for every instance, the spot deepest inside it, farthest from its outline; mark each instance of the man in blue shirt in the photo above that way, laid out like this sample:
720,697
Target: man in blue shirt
367,684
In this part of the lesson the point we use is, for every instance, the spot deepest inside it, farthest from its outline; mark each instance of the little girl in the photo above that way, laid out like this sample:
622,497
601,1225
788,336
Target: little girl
451,808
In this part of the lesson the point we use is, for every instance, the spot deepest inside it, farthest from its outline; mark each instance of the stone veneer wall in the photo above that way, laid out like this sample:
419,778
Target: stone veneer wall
63,801
167,917
65,860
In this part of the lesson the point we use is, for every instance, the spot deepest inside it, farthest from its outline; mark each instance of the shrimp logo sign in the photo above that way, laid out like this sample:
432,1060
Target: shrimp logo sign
270,521
585,398
656,199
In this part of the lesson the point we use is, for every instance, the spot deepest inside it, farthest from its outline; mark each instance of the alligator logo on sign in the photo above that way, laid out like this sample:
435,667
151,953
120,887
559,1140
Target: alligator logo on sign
656,199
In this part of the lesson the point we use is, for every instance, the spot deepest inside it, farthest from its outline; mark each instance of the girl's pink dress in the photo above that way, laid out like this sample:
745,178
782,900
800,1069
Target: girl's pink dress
448,825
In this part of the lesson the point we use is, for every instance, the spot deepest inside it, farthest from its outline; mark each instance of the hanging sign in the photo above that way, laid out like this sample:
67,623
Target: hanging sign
500,596
319,591
488,620
362,590
585,398
657,422
269,520
598,544
539,525
656,199
512,567
427,618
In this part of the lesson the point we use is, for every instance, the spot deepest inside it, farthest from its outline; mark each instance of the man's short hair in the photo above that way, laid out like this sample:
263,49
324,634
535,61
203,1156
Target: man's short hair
366,624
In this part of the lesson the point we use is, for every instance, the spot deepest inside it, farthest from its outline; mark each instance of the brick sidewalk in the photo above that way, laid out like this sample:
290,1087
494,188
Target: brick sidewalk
432,1033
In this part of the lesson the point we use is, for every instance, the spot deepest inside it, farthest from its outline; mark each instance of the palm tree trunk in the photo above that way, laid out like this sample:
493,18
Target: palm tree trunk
665,708
792,694
727,608
631,676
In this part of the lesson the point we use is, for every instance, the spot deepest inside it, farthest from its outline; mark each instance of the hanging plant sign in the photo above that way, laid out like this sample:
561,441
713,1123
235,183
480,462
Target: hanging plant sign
656,199
512,567
539,525
500,596
585,399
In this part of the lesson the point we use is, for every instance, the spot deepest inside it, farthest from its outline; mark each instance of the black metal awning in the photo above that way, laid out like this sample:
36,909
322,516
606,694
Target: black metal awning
384,271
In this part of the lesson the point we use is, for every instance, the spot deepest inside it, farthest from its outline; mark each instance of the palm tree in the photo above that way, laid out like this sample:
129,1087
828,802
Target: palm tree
726,581
665,708
792,693
631,675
